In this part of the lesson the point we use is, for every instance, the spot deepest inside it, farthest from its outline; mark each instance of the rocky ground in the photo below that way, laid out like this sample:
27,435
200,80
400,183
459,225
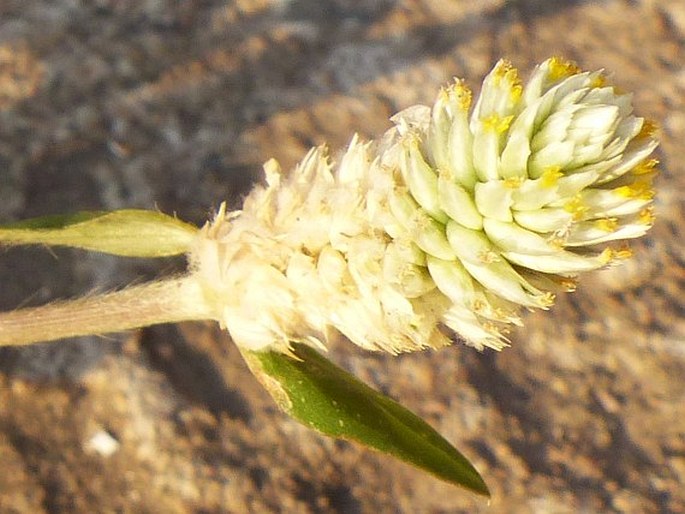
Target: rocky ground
108,104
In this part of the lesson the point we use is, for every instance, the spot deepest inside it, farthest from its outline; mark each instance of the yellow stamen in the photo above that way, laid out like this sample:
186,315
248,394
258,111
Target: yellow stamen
516,88
623,252
488,257
648,130
577,207
505,72
502,71
569,284
516,92
557,242
551,176
411,141
496,123
607,224
561,68
646,216
645,167
493,329
640,189
598,81
609,255
479,305
513,182
463,94
606,256
546,300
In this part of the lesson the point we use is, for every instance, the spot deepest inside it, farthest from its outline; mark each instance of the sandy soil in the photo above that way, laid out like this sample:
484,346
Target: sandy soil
148,103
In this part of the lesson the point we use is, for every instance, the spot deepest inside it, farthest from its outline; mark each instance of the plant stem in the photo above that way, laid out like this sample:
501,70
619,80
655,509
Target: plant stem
165,301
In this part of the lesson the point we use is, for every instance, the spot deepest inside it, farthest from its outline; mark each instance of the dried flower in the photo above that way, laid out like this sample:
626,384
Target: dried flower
453,219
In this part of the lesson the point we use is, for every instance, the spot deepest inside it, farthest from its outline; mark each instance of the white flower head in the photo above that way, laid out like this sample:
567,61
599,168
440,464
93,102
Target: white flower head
454,219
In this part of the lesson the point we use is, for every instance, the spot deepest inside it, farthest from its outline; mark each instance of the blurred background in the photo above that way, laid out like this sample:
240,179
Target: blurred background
174,105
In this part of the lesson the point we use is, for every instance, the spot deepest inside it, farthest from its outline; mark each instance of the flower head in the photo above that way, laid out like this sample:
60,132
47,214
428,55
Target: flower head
456,218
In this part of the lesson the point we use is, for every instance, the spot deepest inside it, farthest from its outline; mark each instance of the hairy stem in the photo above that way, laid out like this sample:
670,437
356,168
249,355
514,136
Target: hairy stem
166,301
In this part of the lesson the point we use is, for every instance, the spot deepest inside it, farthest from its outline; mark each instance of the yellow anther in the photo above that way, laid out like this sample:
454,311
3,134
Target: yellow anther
516,92
412,139
551,176
569,284
463,94
624,252
646,216
503,70
496,123
490,327
546,300
646,166
488,257
512,77
561,68
607,224
513,182
479,305
446,173
606,256
598,81
505,73
577,207
648,130
557,242
624,191
640,189
646,193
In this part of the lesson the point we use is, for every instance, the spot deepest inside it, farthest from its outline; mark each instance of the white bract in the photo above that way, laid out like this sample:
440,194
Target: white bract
454,219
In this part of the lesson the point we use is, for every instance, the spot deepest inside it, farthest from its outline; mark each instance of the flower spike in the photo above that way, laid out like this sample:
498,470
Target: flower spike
458,217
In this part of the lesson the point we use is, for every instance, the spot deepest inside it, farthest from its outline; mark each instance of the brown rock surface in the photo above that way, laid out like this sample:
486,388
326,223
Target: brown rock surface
129,103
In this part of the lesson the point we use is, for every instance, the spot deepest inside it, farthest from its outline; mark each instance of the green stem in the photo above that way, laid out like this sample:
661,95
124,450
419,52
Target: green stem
166,301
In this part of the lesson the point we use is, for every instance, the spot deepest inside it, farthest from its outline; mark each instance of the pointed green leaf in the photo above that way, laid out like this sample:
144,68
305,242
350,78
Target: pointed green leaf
322,396
129,233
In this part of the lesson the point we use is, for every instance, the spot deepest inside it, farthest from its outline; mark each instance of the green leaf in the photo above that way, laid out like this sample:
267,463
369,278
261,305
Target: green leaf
129,233
322,396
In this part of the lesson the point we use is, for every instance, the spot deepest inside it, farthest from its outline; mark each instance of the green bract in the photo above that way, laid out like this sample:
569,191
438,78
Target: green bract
129,233
324,397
